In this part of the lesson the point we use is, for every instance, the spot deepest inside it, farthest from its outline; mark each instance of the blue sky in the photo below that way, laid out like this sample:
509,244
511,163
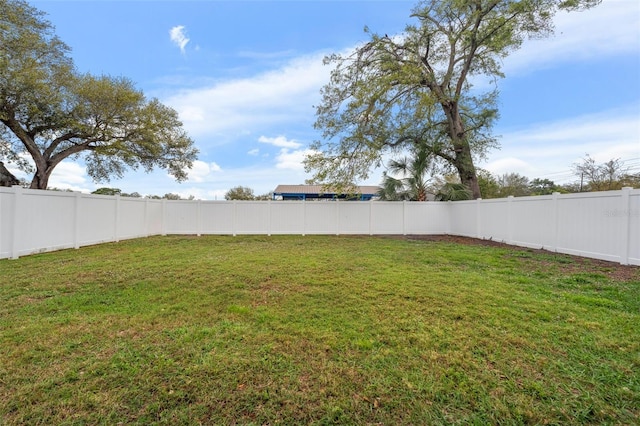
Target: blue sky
244,76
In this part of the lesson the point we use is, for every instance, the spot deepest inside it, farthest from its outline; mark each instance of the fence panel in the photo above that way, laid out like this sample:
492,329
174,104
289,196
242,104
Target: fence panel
493,220
96,219
321,217
132,218
532,222
252,217
463,218
7,220
154,217
427,218
217,218
44,221
586,228
388,217
354,218
180,217
288,217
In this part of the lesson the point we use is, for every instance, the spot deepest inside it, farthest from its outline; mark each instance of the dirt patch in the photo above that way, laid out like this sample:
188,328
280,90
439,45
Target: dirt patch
569,263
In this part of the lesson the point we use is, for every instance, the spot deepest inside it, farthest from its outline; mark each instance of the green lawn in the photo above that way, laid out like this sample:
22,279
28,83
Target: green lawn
316,330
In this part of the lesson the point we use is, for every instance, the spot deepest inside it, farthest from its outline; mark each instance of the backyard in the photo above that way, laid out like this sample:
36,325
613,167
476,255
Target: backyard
317,330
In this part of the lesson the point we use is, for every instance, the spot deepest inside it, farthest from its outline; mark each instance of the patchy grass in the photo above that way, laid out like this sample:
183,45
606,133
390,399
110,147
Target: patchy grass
316,330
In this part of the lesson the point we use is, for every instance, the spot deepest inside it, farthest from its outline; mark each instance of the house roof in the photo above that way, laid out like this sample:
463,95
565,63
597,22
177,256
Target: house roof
320,189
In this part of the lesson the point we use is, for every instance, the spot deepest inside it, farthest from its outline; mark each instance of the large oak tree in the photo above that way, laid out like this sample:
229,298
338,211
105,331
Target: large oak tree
50,112
416,88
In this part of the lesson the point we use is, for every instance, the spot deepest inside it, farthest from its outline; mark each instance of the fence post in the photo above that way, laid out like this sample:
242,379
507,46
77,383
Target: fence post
17,221
235,214
478,219
370,217
404,217
625,206
116,227
199,218
76,218
556,219
337,216
146,217
510,219
304,217
163,225
269,217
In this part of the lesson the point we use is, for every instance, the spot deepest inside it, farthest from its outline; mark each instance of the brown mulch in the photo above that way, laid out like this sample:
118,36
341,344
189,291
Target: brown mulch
569,263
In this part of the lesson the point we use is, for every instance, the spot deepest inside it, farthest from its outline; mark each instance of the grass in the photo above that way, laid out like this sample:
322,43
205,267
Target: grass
315,330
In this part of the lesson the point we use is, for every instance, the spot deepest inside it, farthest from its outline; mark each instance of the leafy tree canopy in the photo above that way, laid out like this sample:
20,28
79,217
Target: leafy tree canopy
415,88
239,193
49,112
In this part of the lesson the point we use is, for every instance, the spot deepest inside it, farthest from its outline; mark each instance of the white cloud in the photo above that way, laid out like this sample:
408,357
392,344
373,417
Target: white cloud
545,149
509,165
70,175
179,37
280,141
247,105
292,160
611,28
254,152
201,171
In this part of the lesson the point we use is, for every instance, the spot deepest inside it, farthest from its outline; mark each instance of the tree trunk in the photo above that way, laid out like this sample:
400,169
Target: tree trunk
463,160
41,178
44,166
466,169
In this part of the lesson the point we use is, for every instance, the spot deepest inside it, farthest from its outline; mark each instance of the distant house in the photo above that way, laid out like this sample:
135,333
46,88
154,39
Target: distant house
317,192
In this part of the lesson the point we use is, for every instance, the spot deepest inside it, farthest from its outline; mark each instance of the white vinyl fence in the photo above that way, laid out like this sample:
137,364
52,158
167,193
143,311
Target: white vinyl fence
601,225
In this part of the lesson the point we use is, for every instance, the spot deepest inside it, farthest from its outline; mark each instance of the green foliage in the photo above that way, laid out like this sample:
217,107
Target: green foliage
239,193
107,191
171,196
291,330
451,191
50,112
489,186
607,176
117,191
393,189
264,197
543,187
415,172
514,184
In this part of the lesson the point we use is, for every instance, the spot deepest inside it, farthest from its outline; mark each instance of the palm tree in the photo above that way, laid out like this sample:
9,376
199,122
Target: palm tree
393,189
452,191
415,171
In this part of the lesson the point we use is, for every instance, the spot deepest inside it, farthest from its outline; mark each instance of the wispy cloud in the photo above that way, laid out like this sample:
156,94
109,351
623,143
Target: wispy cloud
551,148
179,37
275,97
280,141
611,28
